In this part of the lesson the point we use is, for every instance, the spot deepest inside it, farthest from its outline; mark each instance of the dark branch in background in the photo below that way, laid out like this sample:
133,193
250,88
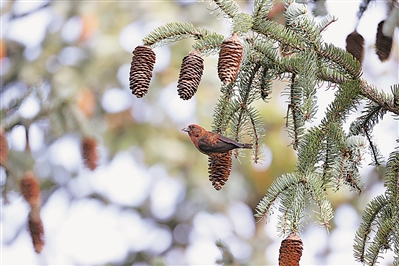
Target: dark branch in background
30,12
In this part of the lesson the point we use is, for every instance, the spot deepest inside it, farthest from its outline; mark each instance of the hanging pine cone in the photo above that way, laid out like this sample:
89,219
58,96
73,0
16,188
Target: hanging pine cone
191,71
290,251
355,45
141,70
30,189
219,168
265,84
229,59
383,44
36,229
3,147
90,155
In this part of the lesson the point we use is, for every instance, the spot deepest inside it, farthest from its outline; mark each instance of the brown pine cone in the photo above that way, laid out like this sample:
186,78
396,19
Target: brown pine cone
36,229
141,68
355,45
30,189
290,251
3,147
219,168
191,71
229,59
90,154
383,44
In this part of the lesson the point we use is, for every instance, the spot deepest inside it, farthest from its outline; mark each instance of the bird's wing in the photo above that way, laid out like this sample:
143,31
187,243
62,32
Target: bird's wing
209,145
230,141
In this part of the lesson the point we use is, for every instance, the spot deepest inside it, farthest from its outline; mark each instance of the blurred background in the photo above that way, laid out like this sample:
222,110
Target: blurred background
65,76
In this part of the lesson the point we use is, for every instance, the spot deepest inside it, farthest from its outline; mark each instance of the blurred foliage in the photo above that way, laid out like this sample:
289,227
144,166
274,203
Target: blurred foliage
83,55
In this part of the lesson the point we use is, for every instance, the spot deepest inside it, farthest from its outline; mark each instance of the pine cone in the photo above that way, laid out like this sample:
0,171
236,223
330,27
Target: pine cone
264,86
36,229
290,251
355,45
30,189
191,71
3,147
141,68
383,44
219,168
90,155
229,59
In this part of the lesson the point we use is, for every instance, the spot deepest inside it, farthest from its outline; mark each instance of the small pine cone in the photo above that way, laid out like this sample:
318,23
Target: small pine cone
3,147
264,85
90,154
36,229
141,68
355,45
383,44
290,251
219,168
229,59
191,71
30,189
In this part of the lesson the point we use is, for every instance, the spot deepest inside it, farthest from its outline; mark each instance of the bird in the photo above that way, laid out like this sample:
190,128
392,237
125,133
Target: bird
218,148
209,142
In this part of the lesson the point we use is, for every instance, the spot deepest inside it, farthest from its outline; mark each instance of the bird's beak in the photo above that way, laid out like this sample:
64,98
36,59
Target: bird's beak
185,129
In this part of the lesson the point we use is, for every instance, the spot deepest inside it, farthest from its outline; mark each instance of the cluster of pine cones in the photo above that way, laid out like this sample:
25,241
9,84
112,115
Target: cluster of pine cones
191,70
383,44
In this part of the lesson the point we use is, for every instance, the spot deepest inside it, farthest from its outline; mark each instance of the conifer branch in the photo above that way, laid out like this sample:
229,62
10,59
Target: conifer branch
262,8
209,44
279,33
299,21
316,186
294,120
309,151
223,110
175,31
385,101
341,58
325,22
362,234
281,184
229,7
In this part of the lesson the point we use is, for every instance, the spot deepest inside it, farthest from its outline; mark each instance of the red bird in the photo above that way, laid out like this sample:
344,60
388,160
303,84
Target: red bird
210,142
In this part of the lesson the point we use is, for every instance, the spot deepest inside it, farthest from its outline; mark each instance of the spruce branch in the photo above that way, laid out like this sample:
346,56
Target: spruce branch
364,125
310,151
175,31
292,205
295,121
298,20
262,8
278,32
209,44
370,216
392,179
229,7
257,131
386,101
316,186
223,110
266,85
342,58
325,22
281,184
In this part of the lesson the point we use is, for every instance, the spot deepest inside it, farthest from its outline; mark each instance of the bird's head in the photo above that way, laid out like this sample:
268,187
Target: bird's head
194,130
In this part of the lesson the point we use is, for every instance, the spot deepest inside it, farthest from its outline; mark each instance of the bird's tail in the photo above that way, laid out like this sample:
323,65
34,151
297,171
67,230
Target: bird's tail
247,146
